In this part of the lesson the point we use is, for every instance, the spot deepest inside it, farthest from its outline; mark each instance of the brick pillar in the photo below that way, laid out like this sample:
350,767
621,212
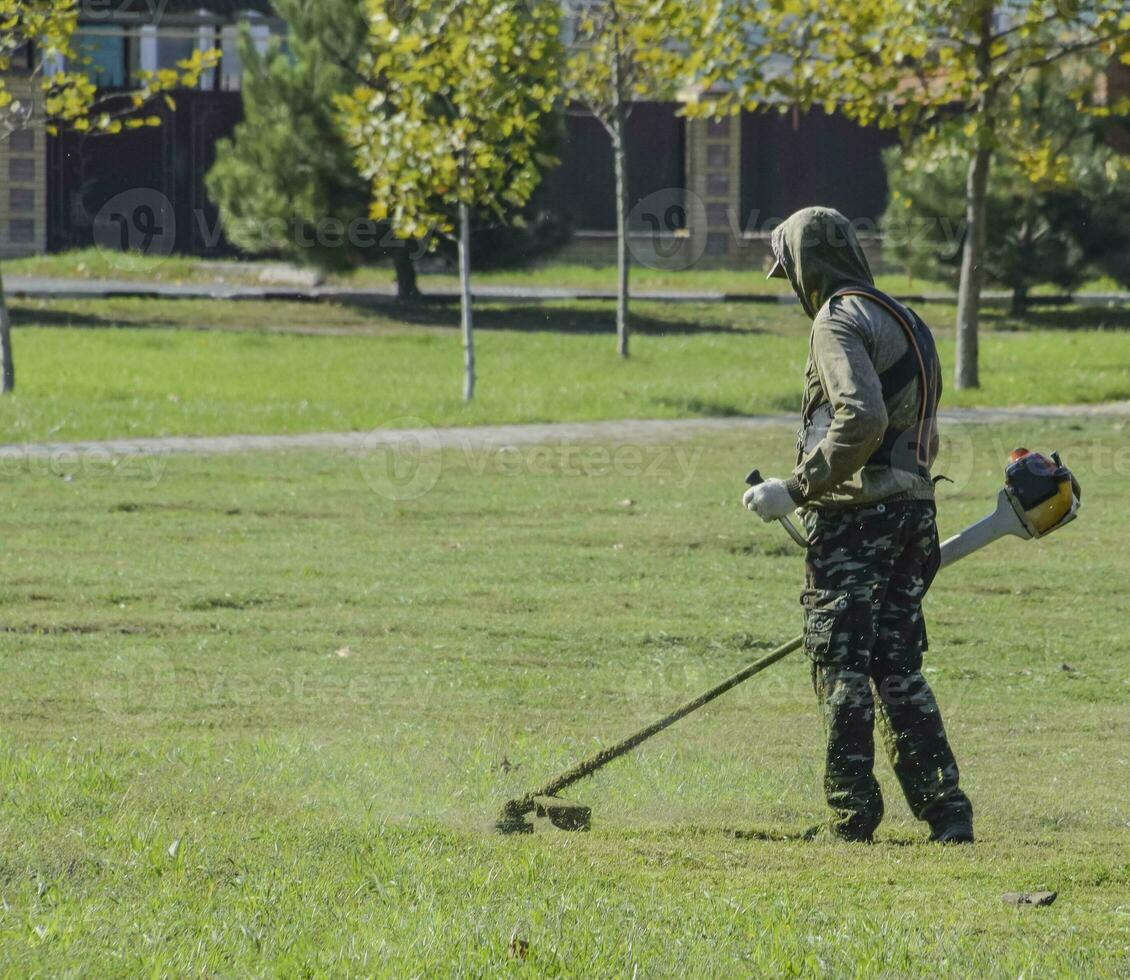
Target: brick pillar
23,180
714,174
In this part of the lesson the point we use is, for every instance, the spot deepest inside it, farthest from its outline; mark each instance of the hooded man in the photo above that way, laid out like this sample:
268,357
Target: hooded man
862,481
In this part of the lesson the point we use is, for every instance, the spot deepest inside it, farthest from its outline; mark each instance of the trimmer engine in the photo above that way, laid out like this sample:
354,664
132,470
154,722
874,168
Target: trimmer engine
1040,495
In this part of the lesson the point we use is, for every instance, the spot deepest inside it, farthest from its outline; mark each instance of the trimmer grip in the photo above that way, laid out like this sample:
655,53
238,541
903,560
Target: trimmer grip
756,478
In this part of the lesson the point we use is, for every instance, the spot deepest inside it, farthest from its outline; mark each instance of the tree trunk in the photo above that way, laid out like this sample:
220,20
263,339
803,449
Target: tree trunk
623,256
406,287
7,365
1025,250
972,259
965,373
1019,305
465,302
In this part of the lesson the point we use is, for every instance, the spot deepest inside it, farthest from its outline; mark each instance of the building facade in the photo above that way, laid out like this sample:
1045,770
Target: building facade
702,191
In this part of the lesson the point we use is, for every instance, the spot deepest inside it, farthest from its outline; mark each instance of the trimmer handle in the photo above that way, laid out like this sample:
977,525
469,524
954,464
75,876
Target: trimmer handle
753,479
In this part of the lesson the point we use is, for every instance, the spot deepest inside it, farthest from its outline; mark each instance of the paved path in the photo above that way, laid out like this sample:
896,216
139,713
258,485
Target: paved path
487,436
41,287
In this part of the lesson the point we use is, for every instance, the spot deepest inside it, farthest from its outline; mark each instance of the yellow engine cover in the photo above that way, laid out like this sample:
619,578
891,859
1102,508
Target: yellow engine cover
1047,516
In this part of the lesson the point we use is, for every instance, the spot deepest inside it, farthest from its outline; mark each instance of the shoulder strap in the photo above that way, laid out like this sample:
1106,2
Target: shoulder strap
920,358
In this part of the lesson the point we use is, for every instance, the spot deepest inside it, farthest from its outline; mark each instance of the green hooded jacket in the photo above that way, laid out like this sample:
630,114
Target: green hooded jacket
860,400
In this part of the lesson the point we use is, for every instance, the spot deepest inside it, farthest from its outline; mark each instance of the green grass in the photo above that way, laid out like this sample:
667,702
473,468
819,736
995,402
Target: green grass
93,263
208,367
254,717
97,263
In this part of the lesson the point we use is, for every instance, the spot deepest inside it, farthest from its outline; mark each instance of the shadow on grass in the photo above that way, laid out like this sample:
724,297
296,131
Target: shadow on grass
701,406
528,318
781,836
541,318
1060,318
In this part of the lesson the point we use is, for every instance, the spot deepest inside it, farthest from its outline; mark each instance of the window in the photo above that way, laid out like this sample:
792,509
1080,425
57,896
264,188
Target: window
21,200
231,67
22,141
155,48
718,184
102,55
21,170
172,48
21,232
21,57
717,155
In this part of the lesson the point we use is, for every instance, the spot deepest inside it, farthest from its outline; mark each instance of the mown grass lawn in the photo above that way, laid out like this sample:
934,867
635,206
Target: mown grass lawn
94,263
111,368
255,716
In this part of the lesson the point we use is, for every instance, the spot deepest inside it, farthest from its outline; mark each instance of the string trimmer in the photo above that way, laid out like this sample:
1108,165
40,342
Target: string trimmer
1040,495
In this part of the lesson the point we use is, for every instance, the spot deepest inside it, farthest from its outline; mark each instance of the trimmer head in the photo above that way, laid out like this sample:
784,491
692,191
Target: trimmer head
563,814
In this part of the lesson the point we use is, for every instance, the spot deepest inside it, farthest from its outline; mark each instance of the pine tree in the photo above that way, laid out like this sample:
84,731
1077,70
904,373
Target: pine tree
1055,204
286,183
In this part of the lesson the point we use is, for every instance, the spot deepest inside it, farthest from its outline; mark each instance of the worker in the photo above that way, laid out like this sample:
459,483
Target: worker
863,485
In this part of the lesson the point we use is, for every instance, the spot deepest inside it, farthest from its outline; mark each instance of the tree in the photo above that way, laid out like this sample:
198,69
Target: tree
286,182
622,50
1052,207
36,34
918,64
449,116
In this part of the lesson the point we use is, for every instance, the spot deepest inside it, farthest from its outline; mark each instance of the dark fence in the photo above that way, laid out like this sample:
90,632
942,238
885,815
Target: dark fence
153,178
87,174
583,188
793,161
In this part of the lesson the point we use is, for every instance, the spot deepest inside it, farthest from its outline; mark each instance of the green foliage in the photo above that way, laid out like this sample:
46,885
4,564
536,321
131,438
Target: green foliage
1056,209
910,65
286,182
440,119
632,49
70,96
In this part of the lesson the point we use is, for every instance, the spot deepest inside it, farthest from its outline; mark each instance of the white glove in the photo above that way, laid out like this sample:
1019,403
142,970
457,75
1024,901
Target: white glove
769,500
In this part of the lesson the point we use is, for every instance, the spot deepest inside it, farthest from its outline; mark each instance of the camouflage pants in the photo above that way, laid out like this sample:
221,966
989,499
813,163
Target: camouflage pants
867,571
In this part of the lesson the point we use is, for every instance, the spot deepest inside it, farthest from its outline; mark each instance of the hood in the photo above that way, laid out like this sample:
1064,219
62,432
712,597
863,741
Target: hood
818,251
